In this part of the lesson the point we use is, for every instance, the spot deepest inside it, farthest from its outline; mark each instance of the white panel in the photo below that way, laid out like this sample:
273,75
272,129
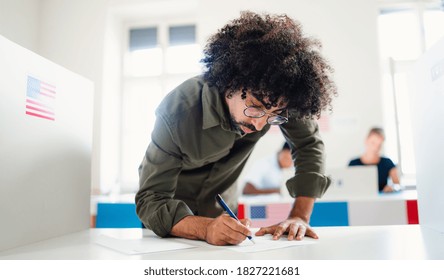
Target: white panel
377,212
427,105
45,165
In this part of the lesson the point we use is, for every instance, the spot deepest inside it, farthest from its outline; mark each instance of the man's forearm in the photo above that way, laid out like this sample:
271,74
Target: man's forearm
192,227
302,208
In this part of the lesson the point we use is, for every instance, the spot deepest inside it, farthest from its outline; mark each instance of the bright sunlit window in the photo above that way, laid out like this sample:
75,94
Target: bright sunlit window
399,34
143,63
182,59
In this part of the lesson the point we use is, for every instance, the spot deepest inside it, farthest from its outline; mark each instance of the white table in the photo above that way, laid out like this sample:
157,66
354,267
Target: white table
411,242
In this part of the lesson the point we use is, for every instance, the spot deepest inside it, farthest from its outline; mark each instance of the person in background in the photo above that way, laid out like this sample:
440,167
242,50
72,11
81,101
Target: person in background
372,156
260,70
266,176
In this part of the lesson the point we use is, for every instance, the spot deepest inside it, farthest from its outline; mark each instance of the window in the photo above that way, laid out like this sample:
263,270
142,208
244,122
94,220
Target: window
145,55
157,59
405,33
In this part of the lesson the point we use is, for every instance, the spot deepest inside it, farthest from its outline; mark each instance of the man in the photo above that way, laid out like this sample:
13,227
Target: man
267,175
260,71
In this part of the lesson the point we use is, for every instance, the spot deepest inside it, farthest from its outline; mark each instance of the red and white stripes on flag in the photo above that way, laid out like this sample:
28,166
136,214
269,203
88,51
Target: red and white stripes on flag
40,99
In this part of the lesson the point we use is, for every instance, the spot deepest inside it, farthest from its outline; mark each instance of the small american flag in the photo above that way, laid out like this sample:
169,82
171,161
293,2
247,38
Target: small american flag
267,215
40,99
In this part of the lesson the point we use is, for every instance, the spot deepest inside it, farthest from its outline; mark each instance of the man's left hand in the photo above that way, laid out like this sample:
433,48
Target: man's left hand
296,228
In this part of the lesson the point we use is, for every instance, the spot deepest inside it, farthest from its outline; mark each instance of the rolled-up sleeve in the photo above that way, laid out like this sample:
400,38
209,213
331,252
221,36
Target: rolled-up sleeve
308,154
158,174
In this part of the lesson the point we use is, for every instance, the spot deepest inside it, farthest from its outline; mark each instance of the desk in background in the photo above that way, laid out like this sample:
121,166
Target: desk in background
114,211
385,209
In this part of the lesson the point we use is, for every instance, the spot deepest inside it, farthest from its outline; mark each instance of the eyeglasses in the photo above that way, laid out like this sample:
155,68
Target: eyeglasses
273,119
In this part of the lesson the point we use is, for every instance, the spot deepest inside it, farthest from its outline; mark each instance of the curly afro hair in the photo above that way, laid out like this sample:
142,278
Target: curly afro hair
269,56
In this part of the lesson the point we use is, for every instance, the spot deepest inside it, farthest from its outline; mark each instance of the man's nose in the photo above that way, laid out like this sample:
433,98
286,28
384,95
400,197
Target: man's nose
259,123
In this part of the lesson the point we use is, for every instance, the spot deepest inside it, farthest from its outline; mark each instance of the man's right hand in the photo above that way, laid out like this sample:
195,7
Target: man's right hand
225,230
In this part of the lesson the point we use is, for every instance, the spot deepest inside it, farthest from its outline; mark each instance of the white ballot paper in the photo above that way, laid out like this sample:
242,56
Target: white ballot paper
134,242
262,243
142,244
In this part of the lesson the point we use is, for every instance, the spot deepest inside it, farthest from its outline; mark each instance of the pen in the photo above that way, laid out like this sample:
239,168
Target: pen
222,203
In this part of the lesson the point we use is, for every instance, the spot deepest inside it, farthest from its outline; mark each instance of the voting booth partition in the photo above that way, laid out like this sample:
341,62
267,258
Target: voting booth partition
45,148
427,99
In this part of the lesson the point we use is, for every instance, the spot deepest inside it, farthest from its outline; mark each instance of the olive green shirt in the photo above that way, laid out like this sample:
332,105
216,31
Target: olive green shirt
195,153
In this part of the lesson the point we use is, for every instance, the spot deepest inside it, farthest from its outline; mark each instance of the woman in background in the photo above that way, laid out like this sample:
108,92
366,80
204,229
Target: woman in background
372,156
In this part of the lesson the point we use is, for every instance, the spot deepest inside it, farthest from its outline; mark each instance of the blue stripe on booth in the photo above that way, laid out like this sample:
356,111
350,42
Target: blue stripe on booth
117,215
329,214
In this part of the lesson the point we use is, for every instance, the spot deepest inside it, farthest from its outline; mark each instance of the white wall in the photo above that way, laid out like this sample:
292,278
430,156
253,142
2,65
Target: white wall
19,22
72,35
110,117
83,36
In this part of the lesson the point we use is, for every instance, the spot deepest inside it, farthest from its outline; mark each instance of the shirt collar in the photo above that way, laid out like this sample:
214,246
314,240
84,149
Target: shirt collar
215,111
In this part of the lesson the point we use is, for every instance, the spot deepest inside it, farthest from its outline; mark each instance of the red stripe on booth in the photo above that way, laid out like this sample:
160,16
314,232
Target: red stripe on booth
241,211
412,212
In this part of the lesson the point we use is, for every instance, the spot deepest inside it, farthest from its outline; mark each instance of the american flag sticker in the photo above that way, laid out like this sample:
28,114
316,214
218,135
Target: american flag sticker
40,99
270,214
